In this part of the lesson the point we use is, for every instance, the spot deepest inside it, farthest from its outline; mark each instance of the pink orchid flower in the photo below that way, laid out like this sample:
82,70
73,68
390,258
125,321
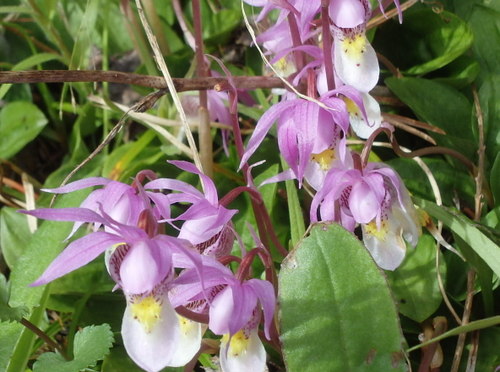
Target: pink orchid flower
375,198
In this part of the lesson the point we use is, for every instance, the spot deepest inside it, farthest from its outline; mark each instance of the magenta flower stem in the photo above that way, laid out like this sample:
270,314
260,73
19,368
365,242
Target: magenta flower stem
294,31
191,315
264,225
234,193
327,44
265,257
226,260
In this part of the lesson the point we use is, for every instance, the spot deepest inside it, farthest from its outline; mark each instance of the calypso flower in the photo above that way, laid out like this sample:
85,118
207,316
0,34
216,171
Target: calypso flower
309,136
234,311
140,261
375,198
206,223
355,59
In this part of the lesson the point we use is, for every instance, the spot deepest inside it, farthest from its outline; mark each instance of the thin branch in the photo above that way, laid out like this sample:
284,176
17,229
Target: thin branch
412,122
433,150
155,82
471,361
410,129
471,276
480,151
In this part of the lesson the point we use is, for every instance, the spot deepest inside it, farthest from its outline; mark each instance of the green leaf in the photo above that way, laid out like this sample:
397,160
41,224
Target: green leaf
14,234
9,334
34,60
439,105
467,230
91,344
469,327
459,73
20,123
44,246
489,97
485,22
441,38
336,310
451,181
414,283
7,313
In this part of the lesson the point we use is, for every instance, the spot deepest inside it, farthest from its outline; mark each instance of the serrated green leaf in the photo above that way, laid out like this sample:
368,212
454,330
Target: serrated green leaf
336,310
7,313
20,123
465,229
91,344
414,283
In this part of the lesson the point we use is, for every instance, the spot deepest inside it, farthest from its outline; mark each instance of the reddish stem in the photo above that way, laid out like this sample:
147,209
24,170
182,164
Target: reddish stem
295,33
327,44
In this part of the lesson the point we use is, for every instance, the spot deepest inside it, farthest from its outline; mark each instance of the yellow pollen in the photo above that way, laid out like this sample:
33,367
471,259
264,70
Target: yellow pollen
324,159
351,107
355,46
239,343
284,66
424,218
371,228
186,325
147,312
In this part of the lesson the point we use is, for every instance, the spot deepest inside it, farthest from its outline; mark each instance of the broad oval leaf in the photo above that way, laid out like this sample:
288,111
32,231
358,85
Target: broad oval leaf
445,37
20,123
336,310
439,105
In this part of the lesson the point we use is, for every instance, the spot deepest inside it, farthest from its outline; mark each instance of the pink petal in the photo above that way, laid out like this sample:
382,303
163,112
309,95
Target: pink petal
221,311
77,254
66,214
142,269
363,202
347,13
264,124
80,184
265,292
